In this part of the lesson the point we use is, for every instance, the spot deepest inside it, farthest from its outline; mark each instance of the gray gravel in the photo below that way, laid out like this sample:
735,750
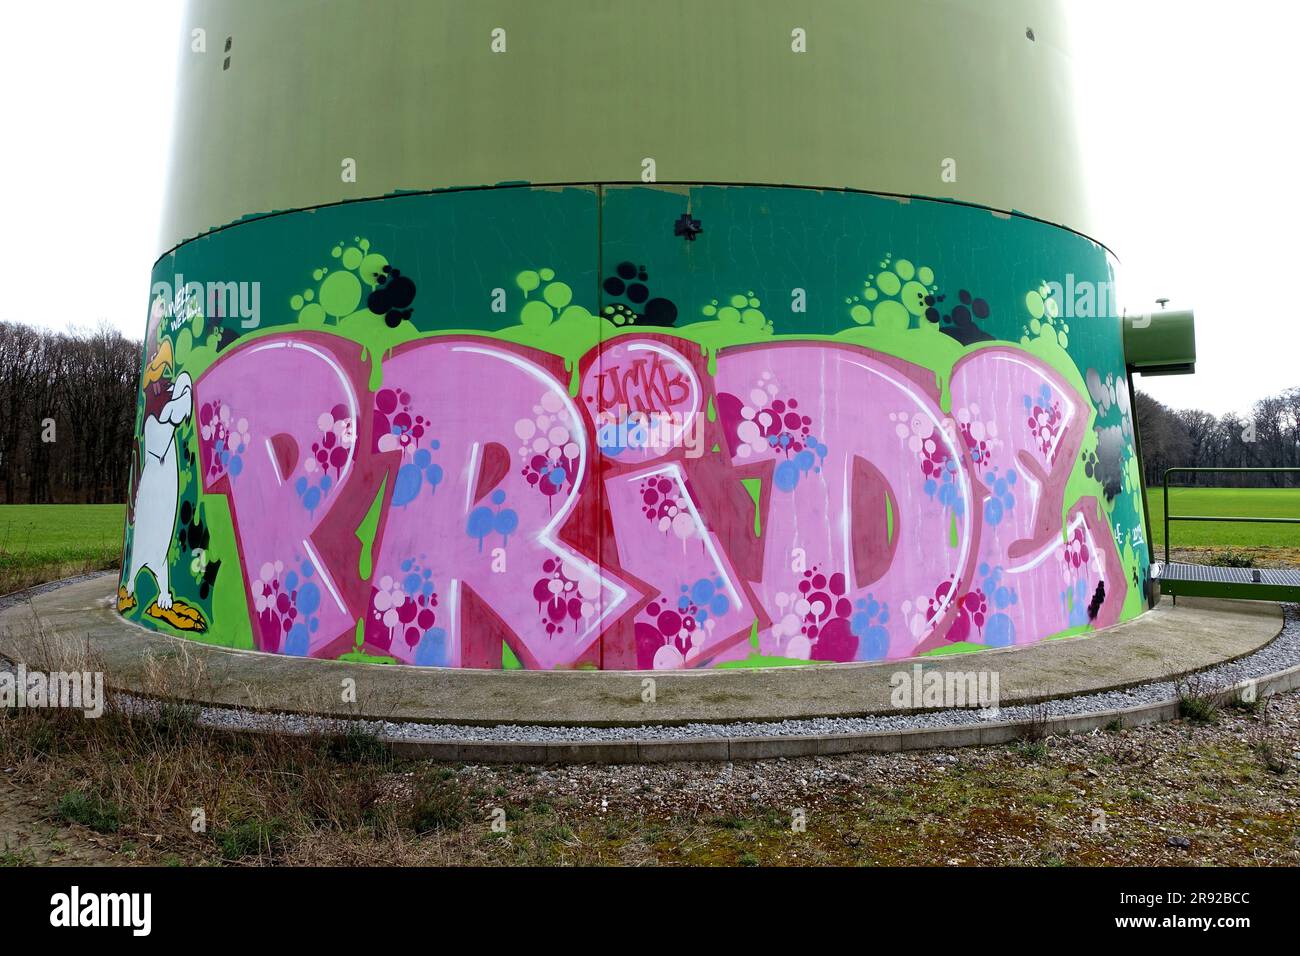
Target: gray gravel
1280,654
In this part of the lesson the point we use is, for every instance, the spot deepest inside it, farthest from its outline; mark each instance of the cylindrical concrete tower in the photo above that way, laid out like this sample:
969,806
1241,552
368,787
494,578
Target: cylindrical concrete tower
603,334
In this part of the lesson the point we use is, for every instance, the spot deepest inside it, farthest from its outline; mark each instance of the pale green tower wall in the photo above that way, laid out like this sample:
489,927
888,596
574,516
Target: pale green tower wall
587,89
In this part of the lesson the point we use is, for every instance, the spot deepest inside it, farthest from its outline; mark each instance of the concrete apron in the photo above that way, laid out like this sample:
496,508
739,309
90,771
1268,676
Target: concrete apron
77,623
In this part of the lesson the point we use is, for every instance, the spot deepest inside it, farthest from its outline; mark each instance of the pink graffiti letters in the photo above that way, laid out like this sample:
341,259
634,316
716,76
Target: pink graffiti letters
642,378
291,471
805,501
489,532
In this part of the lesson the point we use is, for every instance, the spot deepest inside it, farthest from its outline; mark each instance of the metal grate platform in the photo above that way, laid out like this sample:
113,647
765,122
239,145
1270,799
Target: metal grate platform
1203,580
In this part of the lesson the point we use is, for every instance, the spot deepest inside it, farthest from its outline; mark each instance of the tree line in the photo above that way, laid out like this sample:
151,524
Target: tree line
1266,437
70,399
69,403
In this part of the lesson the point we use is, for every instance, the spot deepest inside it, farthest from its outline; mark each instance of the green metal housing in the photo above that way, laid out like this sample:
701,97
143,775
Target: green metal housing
1161,343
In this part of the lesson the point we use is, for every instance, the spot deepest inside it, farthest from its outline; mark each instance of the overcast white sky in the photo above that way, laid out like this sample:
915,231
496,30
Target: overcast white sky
1187,107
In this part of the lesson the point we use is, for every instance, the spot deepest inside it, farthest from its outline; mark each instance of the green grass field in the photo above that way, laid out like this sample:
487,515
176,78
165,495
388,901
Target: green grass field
1249,502
42,542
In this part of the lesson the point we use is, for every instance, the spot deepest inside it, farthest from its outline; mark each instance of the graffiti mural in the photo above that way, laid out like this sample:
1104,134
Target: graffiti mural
635,482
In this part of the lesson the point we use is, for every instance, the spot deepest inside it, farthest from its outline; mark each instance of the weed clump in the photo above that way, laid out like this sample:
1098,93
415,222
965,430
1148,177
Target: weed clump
89,810
439,803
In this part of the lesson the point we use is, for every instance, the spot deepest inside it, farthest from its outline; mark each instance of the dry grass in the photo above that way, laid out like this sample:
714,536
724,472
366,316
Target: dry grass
195,791
340,800
132,787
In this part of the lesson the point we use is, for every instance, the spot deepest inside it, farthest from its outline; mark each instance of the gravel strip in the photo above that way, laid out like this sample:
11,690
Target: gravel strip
25,595
1282,653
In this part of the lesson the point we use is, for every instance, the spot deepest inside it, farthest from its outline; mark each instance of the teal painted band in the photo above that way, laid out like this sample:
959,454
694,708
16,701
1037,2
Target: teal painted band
614,184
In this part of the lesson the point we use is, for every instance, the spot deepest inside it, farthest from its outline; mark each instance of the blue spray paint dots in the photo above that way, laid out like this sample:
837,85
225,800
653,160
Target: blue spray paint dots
407,485
308,598
786,476
295,642
999,631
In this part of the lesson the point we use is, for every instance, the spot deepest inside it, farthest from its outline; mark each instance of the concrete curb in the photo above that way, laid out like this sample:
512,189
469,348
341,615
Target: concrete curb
766,748
715,749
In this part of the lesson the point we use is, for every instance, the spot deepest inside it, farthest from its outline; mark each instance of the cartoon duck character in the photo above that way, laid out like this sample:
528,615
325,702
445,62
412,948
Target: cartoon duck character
168,403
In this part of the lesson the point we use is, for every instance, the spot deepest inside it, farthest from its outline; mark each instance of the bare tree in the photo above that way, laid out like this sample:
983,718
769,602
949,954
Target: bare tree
71,403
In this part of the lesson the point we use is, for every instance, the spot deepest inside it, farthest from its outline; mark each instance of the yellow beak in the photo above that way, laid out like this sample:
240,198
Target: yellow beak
162,362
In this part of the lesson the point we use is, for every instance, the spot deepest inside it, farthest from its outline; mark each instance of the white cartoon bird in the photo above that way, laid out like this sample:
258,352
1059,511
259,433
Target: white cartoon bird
153,510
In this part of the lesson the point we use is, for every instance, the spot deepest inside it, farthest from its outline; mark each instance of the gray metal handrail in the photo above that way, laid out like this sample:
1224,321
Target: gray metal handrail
1244,518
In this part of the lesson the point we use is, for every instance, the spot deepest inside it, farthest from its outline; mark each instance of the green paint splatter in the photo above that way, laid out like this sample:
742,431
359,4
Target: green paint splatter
761,660
359,654
361,657
755,488
960,647
1071,632
367,530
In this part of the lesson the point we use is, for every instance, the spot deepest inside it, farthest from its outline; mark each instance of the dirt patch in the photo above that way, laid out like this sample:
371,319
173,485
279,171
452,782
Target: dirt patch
29,836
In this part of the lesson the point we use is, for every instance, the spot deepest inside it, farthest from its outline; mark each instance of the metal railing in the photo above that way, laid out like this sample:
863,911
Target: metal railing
1243,518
